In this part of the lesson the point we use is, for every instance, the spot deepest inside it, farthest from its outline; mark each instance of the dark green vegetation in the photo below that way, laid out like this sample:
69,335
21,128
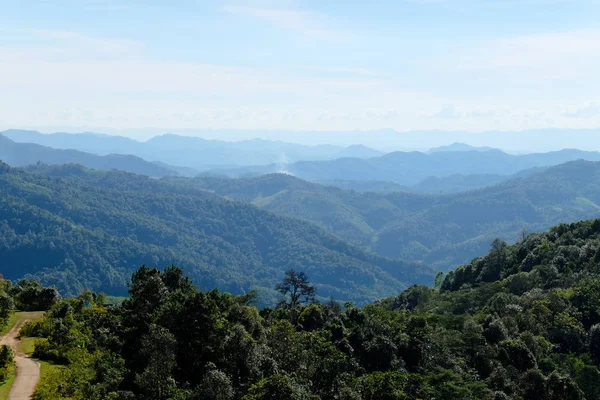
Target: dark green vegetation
411,168
79,229
6,361
26,295
442,231
22,154
522,322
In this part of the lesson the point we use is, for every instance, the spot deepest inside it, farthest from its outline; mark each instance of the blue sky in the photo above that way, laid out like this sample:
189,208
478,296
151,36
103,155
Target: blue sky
314,65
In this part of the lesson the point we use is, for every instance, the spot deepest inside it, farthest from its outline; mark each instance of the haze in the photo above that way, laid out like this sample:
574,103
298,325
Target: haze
235,70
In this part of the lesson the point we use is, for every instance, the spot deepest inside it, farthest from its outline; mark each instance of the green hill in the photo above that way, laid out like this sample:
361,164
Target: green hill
521,323
443,231
80,228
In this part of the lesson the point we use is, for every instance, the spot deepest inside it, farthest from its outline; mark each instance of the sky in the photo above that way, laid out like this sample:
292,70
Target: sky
470,65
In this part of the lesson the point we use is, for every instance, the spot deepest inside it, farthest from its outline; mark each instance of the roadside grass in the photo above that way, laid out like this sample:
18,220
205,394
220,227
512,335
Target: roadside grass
48,368
17,317
7,384
12,320
27,345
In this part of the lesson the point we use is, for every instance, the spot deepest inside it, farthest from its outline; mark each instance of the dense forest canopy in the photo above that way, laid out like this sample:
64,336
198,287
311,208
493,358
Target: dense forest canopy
441,231
523,322
78,228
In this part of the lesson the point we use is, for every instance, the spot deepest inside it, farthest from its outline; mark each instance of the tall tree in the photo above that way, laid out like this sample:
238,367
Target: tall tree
296,289
158,346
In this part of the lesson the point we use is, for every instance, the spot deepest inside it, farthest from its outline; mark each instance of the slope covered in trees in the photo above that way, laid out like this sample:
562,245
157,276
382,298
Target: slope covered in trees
444,231
523,322
22,154
449,184
88,229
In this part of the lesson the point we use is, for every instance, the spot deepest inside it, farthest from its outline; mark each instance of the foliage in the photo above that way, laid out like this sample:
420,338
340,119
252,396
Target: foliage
443,231
519,323
6,360
30,295
79,229
295,289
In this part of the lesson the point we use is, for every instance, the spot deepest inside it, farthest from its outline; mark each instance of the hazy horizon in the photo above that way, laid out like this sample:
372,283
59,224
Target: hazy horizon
460,65
539,140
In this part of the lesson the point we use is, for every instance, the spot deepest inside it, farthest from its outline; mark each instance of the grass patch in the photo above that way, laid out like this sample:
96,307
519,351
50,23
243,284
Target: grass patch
48,386
12,320
27,345
18,317
47,368
7,384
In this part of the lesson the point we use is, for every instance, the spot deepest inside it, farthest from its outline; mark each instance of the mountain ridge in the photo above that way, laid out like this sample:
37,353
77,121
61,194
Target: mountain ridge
22,154
81,228
410,168
192,152
440,230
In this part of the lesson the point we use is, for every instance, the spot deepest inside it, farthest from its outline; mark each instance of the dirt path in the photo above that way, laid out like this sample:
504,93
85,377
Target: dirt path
28,371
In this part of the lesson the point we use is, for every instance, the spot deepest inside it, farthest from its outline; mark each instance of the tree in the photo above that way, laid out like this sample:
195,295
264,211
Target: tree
439,279
6,306
561,387
159,347
30,295
273,388
6,359
216,385
594,343
296,289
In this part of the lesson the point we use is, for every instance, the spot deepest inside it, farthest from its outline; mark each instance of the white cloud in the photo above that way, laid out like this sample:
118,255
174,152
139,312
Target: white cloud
340,70
447,112
587,110
307,23
66,78
61,45
565,56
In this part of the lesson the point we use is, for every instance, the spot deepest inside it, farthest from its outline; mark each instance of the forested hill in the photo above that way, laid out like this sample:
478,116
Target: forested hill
521,323
91,229
22,154
443,231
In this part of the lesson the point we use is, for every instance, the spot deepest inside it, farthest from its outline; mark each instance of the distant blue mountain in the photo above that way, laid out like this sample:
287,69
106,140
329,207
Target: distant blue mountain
193,152
412,168
22,154
458,147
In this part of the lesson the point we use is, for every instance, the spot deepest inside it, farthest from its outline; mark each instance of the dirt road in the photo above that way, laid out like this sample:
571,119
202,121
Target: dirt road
28,371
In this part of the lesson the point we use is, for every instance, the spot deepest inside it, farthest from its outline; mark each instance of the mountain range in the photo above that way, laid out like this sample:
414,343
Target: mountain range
388,140
192,152
22,154
443,230
77,228
458,147
411,168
